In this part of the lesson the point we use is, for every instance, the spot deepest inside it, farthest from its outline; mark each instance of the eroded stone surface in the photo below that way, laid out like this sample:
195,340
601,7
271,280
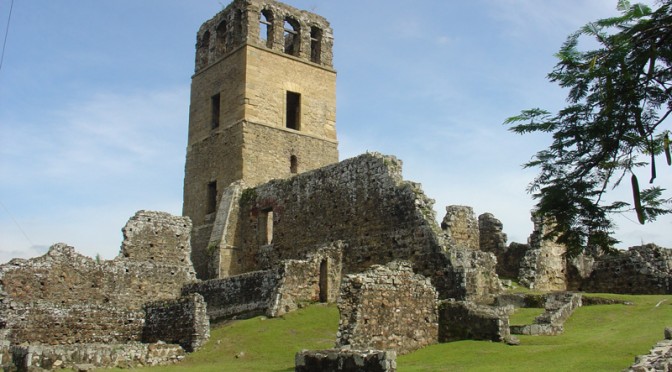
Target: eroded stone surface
387,307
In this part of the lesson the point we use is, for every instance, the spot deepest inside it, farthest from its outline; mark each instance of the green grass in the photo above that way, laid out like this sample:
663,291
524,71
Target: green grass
596,338
525,315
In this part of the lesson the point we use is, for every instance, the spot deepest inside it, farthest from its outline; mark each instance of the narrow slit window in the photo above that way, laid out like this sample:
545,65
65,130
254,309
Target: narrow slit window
266,27
293,164
291,35
266,226
315,44
212,198
215,104
293,114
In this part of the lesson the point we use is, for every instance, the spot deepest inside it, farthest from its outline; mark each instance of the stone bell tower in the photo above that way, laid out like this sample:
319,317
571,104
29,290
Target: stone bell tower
263,106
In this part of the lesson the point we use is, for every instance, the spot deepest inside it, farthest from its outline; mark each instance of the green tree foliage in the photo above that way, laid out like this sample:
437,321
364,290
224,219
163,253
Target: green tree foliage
615,121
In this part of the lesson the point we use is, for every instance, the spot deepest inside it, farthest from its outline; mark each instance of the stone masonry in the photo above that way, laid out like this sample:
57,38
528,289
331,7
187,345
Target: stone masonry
387,308
460,227
645,269
338,360
263,106
544,265
365,203
65,298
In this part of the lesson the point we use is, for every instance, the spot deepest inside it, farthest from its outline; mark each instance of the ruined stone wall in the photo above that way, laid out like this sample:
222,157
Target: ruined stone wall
491,236
63,297
87,357
364,202
337,360
316,279
645,269
183,321
461,227
493,240
246,294
463,320
544,265
290,285
387,307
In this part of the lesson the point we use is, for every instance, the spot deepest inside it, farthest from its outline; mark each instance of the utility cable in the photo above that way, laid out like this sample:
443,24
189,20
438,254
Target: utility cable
17,224
4,42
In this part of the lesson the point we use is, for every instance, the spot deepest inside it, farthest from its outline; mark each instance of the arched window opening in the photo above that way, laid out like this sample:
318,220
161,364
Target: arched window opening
204,49
238,27
266,27
292,31
221,37
315,44
293,164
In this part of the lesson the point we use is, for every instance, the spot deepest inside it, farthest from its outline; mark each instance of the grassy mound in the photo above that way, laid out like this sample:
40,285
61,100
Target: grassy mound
596,338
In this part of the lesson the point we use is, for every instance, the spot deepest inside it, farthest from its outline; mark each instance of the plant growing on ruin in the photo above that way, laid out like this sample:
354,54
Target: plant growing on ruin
616,121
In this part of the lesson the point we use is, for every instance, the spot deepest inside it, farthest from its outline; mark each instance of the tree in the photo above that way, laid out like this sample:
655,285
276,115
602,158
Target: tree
618,106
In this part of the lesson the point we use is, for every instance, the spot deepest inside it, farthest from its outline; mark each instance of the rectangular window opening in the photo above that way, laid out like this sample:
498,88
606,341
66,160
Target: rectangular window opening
293,114
211,201
215,103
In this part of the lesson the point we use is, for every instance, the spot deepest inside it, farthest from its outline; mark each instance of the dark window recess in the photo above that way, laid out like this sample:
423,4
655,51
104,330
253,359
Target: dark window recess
315,44
266,27
292,37
211,206
293,164
293,114
220,39
215,104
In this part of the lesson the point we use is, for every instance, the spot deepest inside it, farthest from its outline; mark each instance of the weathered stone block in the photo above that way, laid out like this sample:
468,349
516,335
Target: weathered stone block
387,307
341,360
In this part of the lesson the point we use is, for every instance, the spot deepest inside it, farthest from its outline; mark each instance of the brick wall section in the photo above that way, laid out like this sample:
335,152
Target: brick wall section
338,360
461,227
461,320
65,297
645,269
183,321
387,307
365,203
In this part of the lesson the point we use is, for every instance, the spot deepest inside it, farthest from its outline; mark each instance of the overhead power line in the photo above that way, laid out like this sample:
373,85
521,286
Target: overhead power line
4,42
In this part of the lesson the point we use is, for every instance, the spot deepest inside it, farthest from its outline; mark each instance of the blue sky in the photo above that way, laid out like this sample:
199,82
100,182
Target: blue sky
94,102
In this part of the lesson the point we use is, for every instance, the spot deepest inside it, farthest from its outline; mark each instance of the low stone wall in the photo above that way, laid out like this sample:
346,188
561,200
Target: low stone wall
558,308
55,324
462,320
387,308
339,360
645,269
246,294
658,359
183,322
88,356
275,292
